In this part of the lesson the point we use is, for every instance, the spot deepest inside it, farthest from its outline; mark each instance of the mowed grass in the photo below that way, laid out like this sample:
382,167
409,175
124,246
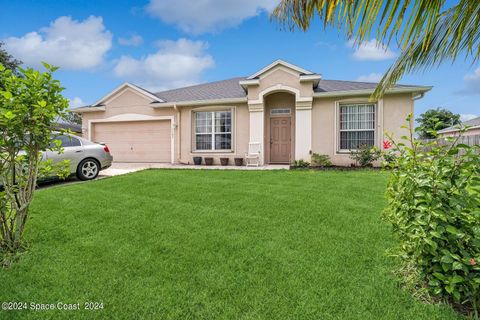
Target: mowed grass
195,244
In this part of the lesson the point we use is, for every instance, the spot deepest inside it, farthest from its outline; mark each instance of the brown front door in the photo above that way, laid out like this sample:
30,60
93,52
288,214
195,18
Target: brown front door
280,139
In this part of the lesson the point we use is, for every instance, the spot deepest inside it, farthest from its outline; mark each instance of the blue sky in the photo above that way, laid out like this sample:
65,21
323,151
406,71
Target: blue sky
160,44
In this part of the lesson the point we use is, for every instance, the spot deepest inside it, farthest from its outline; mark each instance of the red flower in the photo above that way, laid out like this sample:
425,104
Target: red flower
472,262
387,144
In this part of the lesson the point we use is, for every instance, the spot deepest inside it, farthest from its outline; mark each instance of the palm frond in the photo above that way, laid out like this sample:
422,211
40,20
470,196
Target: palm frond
426,35
457,30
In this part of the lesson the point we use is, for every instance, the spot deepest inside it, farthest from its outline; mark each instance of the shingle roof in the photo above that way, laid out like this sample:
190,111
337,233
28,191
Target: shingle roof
340,85
475,122
67,126
231,89
225,89
472,122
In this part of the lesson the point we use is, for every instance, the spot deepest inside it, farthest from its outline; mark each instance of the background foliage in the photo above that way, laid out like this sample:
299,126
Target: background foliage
436,119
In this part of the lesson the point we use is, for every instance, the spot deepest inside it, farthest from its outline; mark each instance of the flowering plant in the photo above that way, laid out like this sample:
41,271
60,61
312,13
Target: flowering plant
433,204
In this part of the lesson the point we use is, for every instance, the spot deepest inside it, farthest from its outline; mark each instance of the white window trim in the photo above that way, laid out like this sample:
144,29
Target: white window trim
336,126
233,131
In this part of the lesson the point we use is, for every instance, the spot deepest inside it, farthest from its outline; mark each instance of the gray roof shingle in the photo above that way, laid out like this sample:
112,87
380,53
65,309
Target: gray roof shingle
231,88
341,85
475,122
225,89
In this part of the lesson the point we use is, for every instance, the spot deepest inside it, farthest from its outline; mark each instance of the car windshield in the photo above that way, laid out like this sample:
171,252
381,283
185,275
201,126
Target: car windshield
67,141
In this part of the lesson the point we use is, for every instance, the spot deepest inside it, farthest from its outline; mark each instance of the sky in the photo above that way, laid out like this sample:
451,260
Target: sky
163,44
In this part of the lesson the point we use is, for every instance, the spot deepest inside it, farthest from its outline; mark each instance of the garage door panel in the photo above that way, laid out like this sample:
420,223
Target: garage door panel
136,141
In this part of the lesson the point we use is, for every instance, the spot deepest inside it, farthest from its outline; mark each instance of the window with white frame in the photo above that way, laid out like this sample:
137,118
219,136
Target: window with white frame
357,125
213,130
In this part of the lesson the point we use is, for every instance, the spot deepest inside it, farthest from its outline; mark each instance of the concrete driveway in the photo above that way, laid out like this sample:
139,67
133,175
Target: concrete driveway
119,168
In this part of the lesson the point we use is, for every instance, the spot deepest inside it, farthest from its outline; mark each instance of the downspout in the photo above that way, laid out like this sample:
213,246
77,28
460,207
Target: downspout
416,97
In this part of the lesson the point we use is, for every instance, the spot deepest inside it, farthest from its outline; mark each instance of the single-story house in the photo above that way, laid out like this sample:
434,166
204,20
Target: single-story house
288,111
472,128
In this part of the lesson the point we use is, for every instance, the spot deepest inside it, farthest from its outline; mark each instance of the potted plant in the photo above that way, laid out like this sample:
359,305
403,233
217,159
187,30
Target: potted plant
238,161
197,161
224,161
209,161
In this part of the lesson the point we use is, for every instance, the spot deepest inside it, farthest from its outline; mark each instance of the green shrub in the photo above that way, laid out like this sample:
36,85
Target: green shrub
365,155
321,160
301,163
434,207
389,158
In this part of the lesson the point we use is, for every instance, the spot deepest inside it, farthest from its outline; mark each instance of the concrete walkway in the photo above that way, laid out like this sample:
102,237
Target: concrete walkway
119,168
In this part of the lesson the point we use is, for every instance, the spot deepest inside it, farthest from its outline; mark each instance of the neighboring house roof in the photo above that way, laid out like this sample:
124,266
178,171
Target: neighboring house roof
473,123
67,126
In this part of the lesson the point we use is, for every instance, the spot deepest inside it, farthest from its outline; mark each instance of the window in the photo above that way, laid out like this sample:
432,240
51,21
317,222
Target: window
213,130
357,125
280,111
68,141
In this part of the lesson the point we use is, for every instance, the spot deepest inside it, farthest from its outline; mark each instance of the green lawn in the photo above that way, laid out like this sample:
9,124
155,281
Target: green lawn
181,244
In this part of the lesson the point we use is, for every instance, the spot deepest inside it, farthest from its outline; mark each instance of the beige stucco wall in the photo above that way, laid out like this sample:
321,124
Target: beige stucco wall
240,133
391,114
325,131
277,84
127,102
280,76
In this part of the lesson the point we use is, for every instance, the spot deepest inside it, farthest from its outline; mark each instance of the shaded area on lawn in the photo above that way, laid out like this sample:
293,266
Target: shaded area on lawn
191,244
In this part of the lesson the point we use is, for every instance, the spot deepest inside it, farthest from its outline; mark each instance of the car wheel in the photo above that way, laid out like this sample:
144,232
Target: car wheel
88,169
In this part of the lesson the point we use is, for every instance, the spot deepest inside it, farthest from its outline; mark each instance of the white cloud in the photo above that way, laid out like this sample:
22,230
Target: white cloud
207,15
175,64
66,43
472,83
371,50
467,116
372,77
76,102
134,40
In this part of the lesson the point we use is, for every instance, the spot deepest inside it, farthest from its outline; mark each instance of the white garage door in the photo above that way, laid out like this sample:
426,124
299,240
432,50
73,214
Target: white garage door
135,141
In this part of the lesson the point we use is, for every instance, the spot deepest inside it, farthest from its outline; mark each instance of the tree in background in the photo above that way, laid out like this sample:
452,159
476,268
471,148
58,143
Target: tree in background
436,119
29,105
7,60
72,117
426,32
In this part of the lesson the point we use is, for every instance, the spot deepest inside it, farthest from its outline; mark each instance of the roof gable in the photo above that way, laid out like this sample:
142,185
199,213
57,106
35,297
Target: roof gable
280,63
132,87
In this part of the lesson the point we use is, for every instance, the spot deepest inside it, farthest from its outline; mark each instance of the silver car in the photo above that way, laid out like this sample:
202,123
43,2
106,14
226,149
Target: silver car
86,158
